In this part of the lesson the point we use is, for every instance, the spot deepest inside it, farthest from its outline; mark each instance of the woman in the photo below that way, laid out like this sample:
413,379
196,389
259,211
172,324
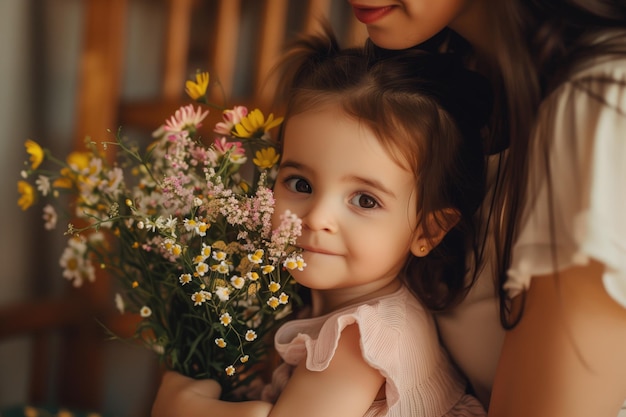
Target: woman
560,70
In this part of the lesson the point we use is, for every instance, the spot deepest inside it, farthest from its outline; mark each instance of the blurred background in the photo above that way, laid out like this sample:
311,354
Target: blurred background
71,68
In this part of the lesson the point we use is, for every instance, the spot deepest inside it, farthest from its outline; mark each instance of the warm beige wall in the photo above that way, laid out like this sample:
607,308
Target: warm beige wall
15,111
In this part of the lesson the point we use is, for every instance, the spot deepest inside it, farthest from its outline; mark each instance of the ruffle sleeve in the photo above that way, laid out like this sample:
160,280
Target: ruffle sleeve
587,168
379,330
398,338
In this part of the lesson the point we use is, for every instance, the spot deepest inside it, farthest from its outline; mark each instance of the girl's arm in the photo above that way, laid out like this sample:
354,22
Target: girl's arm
346,388
567,356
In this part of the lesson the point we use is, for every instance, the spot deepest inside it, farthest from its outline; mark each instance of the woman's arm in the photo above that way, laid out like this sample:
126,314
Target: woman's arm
567,356
346,388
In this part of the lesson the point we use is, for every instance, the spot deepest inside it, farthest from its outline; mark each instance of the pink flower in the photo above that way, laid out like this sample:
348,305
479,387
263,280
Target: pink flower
231,118
186,118
222,146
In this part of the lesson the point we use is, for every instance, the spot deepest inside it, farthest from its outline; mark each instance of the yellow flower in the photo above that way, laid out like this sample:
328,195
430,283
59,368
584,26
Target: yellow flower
255,125
266,158
27,194
79,160
36,153
197,89
65,181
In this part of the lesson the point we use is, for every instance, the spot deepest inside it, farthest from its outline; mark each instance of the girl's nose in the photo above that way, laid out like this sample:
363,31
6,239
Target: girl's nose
321,216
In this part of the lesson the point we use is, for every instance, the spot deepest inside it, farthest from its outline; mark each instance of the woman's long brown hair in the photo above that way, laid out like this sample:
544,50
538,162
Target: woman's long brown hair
540,44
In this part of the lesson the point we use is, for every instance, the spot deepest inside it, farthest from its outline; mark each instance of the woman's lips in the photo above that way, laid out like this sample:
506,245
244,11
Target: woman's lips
368,15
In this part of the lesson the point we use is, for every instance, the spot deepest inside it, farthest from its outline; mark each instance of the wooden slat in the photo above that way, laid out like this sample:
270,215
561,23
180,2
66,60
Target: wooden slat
269,47
224,58
36,316
176,47
100,68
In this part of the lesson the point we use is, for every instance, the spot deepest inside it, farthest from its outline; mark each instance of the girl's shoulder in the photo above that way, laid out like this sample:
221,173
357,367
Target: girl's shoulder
397,319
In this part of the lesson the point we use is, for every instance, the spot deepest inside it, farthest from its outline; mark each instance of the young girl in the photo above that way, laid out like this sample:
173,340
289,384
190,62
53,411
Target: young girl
559,67
384,164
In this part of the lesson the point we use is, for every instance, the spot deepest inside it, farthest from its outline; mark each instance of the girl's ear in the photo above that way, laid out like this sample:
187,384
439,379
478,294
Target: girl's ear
432,230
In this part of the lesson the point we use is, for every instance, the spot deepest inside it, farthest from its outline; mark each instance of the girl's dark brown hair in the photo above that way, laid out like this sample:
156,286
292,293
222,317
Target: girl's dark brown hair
540,44
428,111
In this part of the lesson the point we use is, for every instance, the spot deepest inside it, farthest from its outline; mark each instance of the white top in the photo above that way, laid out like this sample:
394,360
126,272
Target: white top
588,163
399,338
588,171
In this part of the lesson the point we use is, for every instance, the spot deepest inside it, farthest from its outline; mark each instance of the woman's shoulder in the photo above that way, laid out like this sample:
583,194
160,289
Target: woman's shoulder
601,77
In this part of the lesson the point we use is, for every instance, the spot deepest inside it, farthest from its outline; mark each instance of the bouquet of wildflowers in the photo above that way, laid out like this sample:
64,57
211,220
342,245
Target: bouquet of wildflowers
185,230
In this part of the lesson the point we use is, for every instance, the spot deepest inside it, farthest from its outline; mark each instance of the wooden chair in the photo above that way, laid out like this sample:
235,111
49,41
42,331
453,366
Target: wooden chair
236,34
260,29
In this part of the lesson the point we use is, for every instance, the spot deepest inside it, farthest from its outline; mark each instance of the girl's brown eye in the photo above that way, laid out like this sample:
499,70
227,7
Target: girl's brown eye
365,201
298,185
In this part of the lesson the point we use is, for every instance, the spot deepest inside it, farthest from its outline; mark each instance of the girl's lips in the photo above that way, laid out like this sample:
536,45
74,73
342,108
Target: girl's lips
315,250
368,15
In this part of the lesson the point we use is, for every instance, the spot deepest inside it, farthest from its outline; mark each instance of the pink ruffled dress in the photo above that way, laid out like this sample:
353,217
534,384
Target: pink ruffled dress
399,338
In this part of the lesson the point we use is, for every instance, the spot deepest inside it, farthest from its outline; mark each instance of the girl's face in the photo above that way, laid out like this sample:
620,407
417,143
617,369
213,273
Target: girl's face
400,24
357,205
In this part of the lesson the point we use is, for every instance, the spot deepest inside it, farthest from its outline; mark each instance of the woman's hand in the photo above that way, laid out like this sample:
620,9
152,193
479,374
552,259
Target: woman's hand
179,395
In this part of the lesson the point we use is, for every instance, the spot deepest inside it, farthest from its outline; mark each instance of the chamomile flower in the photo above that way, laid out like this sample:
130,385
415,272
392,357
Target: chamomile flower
273,286
202,268
220,342
145,312
283,298
257,256
267,269
221,268
43,184
250,335
184,278
252,276
50,217
226,319
273,302
237,282
294,262
230,370
223,293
